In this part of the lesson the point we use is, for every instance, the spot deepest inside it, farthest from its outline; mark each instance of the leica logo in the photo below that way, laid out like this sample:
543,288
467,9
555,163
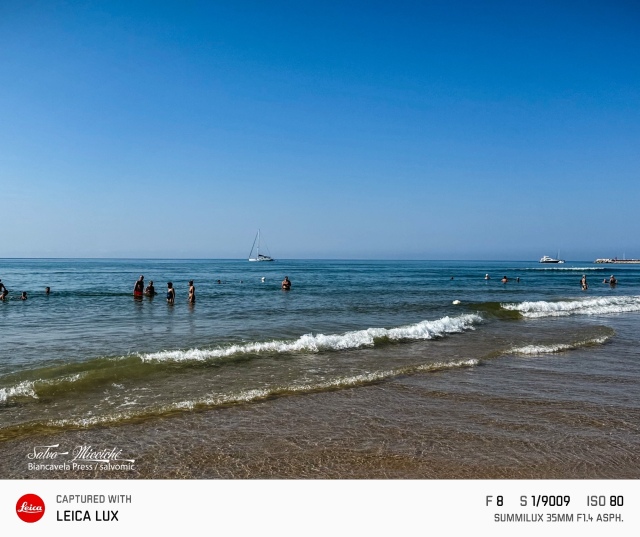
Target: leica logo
30,508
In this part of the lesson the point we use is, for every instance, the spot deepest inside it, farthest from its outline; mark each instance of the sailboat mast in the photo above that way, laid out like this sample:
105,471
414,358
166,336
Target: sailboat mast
254,243
258,250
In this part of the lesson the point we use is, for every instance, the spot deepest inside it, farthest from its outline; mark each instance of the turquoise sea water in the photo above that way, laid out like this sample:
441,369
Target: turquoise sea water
89,354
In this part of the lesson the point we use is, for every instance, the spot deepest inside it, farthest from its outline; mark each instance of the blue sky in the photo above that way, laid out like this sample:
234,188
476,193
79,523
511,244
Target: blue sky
408,130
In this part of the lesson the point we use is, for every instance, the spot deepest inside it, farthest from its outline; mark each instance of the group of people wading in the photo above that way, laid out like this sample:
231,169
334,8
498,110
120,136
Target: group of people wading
139,290
612,281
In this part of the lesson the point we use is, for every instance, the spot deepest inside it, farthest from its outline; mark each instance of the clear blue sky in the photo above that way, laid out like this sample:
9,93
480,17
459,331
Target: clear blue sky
425,130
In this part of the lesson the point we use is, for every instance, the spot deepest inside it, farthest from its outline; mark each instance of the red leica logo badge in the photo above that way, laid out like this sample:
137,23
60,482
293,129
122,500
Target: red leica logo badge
30,508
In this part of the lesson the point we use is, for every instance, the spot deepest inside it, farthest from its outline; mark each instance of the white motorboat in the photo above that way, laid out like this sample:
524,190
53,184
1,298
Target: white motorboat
547,259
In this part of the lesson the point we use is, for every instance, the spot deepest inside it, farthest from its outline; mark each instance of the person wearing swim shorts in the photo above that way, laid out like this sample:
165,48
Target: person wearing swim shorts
138,288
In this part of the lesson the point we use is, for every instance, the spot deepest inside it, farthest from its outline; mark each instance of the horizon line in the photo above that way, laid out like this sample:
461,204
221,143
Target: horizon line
116,258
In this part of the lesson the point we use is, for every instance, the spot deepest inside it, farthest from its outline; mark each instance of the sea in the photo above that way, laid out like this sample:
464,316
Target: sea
363,369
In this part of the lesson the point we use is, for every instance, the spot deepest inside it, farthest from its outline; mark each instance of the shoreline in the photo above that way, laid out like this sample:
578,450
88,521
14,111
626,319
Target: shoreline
336,435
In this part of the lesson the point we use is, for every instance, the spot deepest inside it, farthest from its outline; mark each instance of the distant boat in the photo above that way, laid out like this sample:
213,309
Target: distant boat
547,259
258,256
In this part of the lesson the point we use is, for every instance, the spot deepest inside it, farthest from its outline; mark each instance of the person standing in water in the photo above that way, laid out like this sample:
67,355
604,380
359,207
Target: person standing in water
171,293
138,288
583,283
192,292
286,283
150,290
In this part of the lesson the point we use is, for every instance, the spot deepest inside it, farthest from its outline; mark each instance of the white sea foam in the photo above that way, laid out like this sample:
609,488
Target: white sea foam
588,306
438,366
325,342
25,388
70,378
90,421
532,350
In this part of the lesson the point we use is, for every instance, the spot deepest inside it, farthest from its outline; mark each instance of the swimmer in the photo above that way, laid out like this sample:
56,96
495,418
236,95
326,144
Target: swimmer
504,279
286,283
3,288
24,295
171,293
487,277
262,279
47,290
612,281
4,294
192,292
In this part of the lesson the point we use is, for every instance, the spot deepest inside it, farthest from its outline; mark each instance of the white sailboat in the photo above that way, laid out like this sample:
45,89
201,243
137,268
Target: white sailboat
258,256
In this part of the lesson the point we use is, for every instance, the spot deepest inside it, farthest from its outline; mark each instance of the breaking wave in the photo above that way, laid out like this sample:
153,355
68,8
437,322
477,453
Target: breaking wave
103,370
533,350
323,342
28,389
23,389
589,306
